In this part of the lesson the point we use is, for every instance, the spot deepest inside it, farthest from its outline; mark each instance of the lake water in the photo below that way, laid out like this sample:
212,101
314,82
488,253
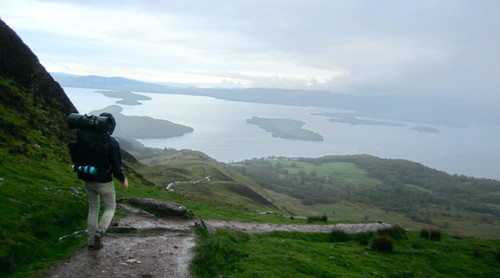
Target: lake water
221,132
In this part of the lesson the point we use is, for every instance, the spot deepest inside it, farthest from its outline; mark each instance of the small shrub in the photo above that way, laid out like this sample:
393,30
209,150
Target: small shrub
435,234
477,253
338,236
424,233
322,218
395,232
497,255
415,245
382,243
364,238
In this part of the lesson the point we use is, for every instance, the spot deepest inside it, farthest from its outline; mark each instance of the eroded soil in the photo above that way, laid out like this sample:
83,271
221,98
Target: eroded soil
152,247
145,246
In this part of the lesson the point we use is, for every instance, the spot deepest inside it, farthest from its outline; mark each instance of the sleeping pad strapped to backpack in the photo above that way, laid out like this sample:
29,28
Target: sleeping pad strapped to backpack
90,151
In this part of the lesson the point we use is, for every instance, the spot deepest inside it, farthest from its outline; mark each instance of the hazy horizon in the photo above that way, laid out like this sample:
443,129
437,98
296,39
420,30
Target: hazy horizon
418,48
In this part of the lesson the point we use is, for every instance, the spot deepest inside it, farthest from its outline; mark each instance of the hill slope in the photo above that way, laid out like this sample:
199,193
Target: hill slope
37,204
29,93
363,187
353,188
40,198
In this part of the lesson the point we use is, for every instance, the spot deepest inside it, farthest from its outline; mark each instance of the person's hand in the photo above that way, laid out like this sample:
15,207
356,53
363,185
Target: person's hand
125,183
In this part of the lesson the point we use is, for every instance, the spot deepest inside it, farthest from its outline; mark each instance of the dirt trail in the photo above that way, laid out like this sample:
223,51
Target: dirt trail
155,247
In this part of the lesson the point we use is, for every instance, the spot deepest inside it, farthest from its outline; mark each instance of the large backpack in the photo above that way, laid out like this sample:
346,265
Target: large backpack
90,151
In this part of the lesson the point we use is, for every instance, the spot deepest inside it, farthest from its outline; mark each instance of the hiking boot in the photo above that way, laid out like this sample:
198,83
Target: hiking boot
98,240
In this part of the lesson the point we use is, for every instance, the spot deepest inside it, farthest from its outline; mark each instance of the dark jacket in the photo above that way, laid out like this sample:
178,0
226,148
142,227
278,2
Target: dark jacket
115,159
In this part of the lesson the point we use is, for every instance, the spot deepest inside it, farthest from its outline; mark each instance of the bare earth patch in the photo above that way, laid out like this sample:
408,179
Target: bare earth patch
157,247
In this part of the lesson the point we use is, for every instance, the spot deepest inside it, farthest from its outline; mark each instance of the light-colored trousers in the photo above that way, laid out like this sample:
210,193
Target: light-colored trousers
95,192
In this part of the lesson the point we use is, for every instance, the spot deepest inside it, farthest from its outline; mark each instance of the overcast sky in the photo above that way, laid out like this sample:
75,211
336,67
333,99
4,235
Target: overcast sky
419,47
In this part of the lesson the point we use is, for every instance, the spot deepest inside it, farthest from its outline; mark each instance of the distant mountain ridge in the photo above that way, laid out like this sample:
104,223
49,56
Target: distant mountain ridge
95,81
429,110
100,82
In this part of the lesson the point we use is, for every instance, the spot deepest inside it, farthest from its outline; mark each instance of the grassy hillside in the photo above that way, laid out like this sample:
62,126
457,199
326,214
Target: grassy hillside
363,188
343,188
40,198
386,254
210,188
37,203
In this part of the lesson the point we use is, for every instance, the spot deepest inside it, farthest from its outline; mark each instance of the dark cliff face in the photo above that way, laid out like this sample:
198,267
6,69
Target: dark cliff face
29,92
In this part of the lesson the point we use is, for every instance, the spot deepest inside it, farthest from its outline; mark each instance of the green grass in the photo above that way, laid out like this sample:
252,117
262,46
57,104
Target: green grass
37,206
292,254
344,172
42,200
365,188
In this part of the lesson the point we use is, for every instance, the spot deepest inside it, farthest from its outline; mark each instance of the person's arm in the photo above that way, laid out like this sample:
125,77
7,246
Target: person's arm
116,162
125,183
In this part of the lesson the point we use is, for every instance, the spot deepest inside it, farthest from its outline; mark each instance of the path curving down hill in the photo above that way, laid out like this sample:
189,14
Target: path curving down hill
143,245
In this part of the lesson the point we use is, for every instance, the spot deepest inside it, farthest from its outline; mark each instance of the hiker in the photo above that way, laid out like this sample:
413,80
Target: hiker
97,160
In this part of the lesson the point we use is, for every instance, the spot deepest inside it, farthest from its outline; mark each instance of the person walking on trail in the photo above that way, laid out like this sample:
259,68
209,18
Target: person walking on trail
97,160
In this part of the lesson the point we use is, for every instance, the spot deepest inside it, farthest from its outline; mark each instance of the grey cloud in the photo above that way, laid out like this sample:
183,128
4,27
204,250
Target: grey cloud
391,47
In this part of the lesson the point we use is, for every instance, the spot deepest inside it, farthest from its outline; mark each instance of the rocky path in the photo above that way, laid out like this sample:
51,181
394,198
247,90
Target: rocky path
145,246
151,247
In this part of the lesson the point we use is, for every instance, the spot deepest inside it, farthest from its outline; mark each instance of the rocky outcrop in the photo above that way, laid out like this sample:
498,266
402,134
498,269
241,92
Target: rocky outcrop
29,90
159,208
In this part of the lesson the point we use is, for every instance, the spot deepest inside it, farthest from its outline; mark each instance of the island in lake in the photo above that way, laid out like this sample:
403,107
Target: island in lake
143,127
286,128
354,119
425,129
